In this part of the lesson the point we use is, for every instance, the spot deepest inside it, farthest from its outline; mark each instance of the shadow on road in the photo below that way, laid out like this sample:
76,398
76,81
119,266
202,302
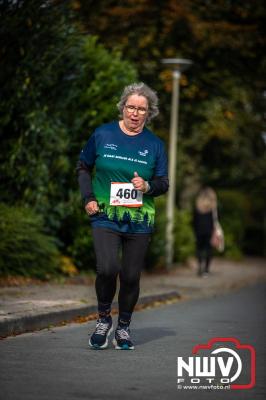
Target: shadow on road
146,335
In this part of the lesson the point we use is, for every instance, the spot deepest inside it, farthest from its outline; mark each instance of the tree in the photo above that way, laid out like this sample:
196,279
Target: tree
58,85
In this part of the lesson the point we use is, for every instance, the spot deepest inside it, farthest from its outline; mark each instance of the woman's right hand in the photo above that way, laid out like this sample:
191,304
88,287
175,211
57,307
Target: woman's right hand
92,208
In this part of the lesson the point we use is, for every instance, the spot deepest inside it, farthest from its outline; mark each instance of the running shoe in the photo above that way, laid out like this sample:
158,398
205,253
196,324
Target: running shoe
122,339
99,338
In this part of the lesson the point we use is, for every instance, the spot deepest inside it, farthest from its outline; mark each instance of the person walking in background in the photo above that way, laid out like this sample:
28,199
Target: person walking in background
204,214
130,170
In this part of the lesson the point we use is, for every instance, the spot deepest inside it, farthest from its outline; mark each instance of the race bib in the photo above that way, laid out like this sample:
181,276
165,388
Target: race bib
124,194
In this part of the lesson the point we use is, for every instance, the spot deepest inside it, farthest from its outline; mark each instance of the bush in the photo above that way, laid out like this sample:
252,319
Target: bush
24,247
184,236
232,251
184,245
156,253
82,251
233,214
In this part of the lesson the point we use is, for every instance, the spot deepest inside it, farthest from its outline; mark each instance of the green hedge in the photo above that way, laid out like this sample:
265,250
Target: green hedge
82,251
234,209
24,247
184,236
184,245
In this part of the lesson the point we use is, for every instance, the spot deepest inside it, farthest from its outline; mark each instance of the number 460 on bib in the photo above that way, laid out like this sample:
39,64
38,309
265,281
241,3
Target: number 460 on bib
124,194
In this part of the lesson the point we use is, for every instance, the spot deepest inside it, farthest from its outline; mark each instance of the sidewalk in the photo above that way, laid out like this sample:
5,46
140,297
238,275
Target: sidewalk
36,306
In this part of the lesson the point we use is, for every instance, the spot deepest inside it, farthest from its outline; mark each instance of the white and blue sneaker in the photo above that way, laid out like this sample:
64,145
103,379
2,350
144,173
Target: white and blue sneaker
99,338
122,339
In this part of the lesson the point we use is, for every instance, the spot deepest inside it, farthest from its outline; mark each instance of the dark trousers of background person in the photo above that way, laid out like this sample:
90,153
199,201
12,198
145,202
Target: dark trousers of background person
123,255
204,253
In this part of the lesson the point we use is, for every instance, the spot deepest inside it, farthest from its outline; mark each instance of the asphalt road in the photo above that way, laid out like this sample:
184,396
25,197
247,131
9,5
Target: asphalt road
57,365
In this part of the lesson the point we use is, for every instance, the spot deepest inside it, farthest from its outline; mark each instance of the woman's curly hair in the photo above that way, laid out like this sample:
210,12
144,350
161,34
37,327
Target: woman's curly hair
140,89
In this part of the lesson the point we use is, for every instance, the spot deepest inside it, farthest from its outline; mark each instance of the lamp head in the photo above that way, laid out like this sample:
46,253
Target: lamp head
178,64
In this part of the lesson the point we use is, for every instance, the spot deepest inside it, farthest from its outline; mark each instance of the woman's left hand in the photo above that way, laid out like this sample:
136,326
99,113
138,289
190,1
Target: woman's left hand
139,183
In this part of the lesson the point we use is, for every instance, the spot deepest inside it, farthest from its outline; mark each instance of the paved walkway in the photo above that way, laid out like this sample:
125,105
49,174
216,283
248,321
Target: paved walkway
56,364
34,306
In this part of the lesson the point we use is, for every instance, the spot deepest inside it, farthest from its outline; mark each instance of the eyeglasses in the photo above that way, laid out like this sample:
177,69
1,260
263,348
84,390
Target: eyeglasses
140,110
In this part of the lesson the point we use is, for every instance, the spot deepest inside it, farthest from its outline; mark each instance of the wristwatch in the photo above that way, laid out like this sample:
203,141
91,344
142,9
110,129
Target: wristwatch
147,186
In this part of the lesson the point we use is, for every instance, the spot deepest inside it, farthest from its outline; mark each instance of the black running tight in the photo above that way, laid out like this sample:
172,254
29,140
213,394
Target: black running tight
120,254
204,251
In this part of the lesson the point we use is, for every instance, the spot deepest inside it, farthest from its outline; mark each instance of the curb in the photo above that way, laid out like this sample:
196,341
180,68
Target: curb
30,323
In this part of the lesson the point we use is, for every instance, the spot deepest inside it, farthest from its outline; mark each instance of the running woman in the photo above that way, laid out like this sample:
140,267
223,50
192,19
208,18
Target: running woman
130,166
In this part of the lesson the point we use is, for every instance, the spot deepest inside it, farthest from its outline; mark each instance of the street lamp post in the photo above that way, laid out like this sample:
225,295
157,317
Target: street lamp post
177,65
